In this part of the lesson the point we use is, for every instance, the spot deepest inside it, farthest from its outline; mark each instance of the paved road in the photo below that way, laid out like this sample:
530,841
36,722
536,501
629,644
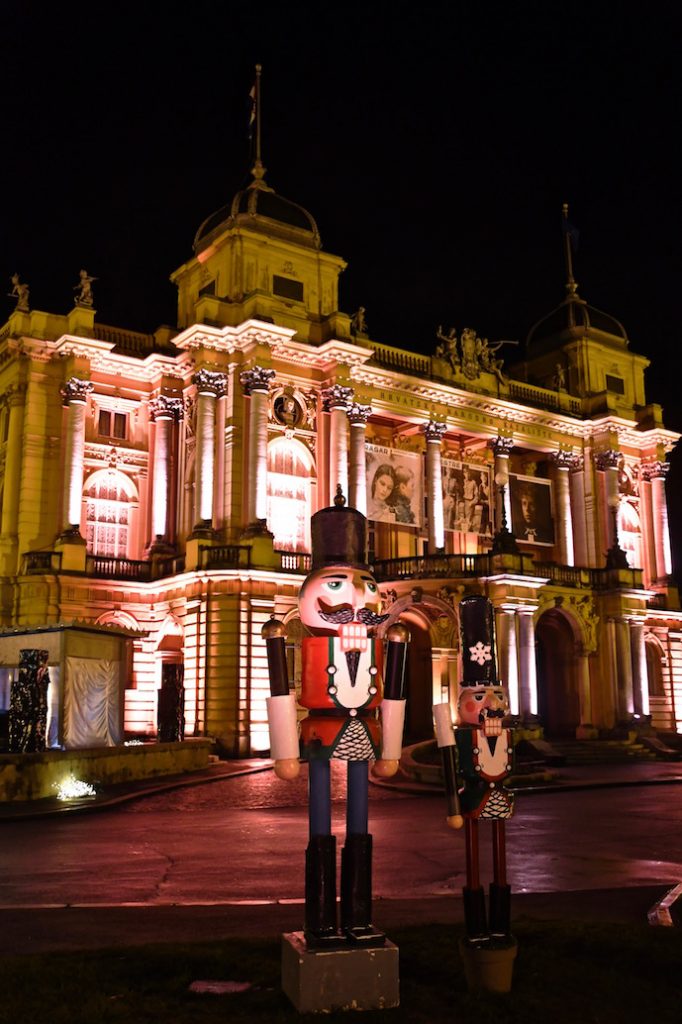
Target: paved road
243,839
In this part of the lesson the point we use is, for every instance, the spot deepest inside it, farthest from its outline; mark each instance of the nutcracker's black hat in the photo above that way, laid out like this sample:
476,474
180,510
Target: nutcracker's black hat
339,536
477,626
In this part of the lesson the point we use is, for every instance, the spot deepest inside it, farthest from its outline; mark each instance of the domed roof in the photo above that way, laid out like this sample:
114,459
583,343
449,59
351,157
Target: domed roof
260,207
574,317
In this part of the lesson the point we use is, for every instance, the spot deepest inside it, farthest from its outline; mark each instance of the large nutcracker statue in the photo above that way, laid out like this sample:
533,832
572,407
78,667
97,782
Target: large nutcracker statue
348,676
477,760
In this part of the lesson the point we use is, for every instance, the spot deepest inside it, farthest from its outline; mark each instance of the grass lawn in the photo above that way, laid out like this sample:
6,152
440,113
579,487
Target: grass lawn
566,973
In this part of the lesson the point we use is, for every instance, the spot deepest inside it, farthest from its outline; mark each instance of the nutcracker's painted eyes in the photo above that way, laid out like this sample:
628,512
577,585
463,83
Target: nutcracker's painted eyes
372,587
479,696
335,584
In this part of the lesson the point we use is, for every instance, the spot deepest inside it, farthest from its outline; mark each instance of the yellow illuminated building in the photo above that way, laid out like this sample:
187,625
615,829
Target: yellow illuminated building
165,483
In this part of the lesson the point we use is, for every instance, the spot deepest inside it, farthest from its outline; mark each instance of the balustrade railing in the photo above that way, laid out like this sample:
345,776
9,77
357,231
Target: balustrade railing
226,556
41,562
118,568
292,561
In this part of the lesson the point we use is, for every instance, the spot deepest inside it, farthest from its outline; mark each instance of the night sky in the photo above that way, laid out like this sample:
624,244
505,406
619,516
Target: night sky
433,143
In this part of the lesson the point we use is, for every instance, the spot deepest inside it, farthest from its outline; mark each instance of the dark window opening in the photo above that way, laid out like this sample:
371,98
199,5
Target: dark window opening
615,384
287,288
112,424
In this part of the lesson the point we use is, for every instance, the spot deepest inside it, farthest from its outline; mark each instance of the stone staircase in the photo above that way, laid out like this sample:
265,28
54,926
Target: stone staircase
611,751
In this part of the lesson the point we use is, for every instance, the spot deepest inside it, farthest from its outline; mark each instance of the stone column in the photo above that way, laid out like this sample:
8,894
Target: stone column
584,692
607,463
210,386
577,499
506,654
16,400
564,527
647,520
336,401
502,447
357,417
165,412
434,485
624,661
256,385
528,678
640,681
656,473
75,394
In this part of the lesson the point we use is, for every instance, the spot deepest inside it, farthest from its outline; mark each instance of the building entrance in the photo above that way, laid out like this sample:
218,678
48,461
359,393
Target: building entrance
558,700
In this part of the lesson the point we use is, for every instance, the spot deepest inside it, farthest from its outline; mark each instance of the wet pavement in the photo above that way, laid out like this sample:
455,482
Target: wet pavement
565,778
252,784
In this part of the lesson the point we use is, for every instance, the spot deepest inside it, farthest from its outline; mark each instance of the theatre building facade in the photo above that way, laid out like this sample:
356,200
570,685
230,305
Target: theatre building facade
162,486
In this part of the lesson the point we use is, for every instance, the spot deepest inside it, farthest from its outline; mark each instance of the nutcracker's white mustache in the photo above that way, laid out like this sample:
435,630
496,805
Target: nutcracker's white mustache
344,613
489,713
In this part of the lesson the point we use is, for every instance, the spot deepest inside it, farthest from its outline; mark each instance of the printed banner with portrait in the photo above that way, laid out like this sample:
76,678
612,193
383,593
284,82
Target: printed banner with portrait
466,497
394,486
531,509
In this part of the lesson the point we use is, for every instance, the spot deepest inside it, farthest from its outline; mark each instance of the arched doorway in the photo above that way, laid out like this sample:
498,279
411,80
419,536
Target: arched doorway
558,698
418,680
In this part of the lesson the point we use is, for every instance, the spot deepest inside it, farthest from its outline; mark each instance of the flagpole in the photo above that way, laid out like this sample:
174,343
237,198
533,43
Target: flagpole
258,156
570,280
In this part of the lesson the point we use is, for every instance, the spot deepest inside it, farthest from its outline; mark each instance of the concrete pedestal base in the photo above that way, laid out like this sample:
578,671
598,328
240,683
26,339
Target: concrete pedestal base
488,967
341,979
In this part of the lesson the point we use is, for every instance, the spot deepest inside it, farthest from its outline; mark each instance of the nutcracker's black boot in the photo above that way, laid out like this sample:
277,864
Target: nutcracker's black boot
474,915
356,892
500,911
320,893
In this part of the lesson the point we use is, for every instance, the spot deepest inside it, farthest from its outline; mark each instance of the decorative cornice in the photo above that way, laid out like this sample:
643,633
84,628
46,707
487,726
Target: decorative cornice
256,379
434,430
359,414
97,455
164,407
76,390
209,382
336,397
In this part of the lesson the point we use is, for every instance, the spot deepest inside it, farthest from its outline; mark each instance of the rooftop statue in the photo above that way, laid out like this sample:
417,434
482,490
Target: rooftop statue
20,293
84,289
358,322
472,355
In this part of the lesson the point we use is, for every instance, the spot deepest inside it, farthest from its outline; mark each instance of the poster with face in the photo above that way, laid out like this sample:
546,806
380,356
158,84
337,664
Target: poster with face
466,497
394,486
531,505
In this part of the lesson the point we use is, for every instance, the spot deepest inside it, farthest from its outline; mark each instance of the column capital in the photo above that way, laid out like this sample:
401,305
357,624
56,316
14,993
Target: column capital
564,459
358,414
607,460
76,390
654,469
336,397
15,395
434,430
163,407
258,378
210,382
501,445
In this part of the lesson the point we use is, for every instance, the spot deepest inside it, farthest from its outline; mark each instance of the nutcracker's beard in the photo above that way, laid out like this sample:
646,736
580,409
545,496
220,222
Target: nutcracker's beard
344,613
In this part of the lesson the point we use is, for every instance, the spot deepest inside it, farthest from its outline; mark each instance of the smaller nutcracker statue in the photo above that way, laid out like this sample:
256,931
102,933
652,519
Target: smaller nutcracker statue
348,678
477,760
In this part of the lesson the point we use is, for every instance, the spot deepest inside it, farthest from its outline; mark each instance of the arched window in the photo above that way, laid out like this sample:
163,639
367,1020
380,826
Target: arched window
630,534
108,497
289,495
654,669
